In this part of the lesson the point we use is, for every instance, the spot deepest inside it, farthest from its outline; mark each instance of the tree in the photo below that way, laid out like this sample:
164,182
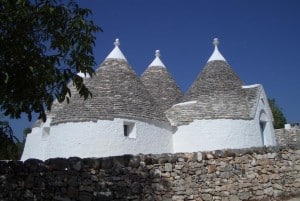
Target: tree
26,131
279,118
8,143
44,44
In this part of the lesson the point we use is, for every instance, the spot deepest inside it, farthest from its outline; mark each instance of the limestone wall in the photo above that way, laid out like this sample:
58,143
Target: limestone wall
289,137
229,175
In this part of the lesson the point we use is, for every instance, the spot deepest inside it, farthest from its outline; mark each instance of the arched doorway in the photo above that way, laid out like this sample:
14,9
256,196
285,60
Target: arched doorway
263,120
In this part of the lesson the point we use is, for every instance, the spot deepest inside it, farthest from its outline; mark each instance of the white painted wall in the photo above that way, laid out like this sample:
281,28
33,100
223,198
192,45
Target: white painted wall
32,148
216,134
106,138
263,113
100,139
36,141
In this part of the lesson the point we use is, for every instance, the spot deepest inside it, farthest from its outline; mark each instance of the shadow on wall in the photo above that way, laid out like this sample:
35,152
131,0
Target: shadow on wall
246,174
112,178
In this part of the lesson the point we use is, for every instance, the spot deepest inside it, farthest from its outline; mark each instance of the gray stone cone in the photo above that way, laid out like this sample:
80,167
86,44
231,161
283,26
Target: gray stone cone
217,94
161,86
117,92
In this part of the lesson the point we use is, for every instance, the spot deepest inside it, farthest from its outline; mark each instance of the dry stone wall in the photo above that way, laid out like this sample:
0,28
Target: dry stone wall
227,175
290,137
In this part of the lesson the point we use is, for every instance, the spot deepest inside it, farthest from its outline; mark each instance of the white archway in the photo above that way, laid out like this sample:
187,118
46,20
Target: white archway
263,126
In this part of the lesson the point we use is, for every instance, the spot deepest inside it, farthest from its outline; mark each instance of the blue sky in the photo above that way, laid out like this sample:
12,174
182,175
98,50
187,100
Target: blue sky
258,38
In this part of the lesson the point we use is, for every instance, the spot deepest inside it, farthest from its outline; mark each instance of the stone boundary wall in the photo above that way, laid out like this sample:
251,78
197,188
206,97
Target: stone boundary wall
227,175
290,137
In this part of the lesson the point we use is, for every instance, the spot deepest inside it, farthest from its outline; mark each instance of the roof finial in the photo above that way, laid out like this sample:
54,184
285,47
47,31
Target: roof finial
116,53
117,42
216,42
157,61
216,55
157,53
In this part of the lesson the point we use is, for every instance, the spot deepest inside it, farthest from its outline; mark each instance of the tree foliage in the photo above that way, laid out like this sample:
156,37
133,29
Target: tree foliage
9,149
279,118
26,131
44,43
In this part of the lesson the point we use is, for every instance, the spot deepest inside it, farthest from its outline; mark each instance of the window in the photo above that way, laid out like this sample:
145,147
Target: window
126,130
262,125
263,122
129,129
46,131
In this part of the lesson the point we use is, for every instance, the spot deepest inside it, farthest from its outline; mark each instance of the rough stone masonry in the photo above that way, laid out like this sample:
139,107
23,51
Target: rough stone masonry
271,173
227,175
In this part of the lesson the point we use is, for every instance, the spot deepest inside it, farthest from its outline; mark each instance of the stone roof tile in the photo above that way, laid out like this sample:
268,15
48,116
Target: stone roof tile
218,94
117,92
160,84
252,95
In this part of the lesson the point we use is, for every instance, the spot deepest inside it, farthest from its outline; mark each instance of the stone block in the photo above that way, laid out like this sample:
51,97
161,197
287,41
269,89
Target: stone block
121,161
271,155
84,196
31,164
210,156
180,159
178,167
269,191
234,198
277,186
226,175
206,197
178,198
61,198
168,167
244,195
277,193
155,173
166,174
225,193
75,163
199,156
297,167
72,192
106,163
211,168
260,192
57,164
134,161
297,184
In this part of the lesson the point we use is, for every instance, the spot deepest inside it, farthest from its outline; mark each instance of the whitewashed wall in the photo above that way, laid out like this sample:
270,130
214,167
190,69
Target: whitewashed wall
214,134
263,107
32,148
205,135
106,138
36,141
100,139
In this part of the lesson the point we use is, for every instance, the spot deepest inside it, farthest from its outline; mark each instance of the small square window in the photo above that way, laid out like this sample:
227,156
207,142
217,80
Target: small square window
46,131
129,129
126,130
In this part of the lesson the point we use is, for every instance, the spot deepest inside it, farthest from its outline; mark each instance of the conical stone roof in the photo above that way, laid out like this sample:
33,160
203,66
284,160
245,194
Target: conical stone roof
117,92
217,93
56,106
160,84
